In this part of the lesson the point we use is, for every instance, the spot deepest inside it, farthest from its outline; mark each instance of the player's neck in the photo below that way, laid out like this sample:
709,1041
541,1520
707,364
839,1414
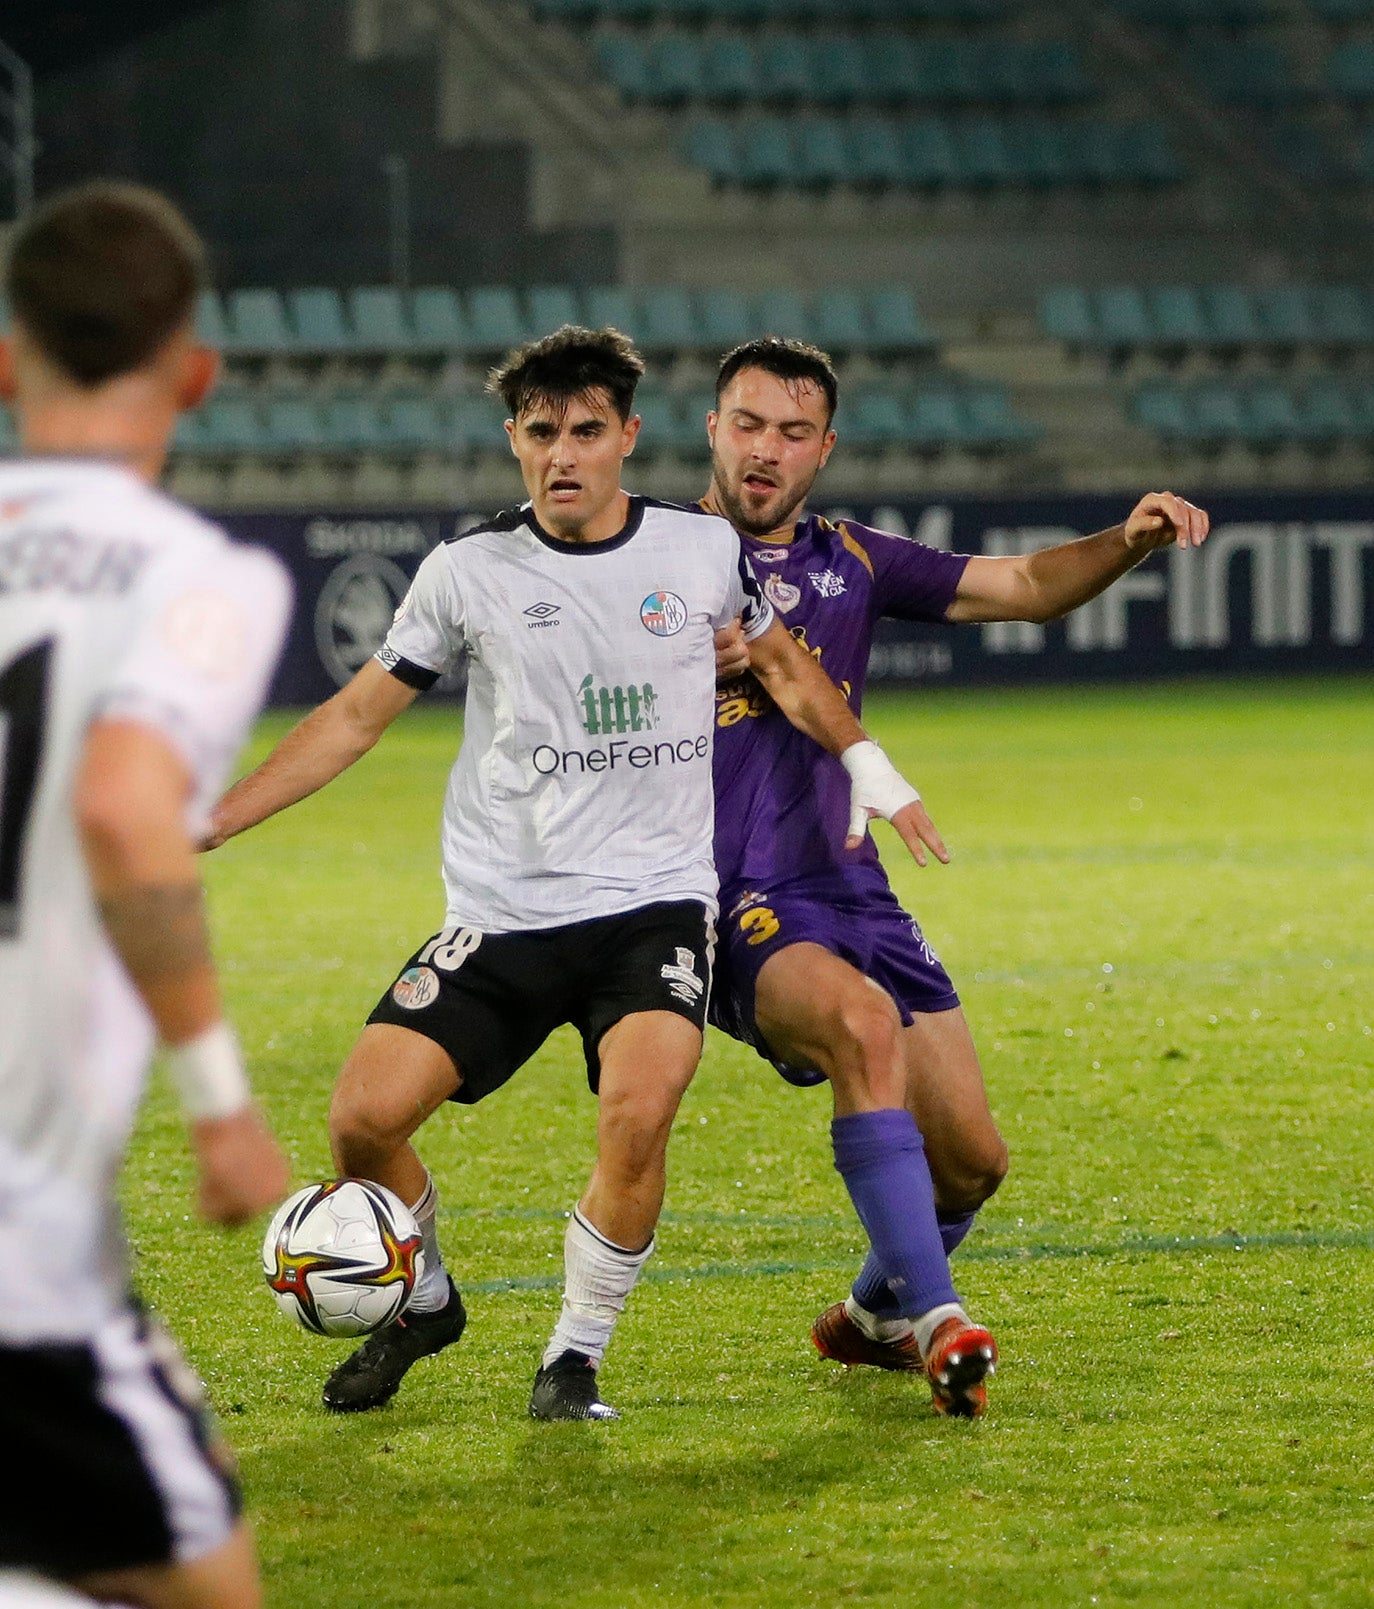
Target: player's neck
125,429
603,526
781,534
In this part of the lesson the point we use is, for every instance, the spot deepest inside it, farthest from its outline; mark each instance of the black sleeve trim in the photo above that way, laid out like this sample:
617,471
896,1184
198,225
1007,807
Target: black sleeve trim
405,670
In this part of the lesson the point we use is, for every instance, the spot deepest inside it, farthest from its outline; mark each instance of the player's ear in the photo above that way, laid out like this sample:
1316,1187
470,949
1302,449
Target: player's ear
629,433
509,428
7,386
200,371
712,420
827,447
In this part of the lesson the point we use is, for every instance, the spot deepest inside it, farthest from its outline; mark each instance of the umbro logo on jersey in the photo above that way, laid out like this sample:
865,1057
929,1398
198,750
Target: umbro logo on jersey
541,614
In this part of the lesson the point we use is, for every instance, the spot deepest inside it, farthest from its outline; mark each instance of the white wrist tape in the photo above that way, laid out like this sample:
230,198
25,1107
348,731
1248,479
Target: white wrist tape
208,1073
878,788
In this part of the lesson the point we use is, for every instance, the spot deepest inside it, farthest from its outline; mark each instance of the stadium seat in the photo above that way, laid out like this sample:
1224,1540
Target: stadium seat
668,320
676,70
438,318
212,326
1231,315
293,424
495,321
1218,416
355,424
1123,318
841,321
991,420
474,423
1285,315
692,407
726,318
871,420
841,68
785,70
784,312
317,318
380,319
766,157
232,424
822,159
874,151
730,69
1163,408
1350,72
1343,315
549,307
416,424
1177,316
1325,413
898,328
710,144
1269,414
934,420
615,306
1067,314
622,59
929,158
258,323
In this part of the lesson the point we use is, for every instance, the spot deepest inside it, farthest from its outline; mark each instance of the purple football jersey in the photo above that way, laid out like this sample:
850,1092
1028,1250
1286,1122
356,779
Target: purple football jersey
782,803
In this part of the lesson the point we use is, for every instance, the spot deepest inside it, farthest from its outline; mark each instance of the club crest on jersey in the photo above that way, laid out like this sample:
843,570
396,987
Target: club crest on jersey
781,594
416,988
681,976
768,555
663,613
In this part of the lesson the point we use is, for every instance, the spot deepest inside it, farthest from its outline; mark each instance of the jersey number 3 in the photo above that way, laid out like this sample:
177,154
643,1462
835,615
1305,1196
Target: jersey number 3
23,716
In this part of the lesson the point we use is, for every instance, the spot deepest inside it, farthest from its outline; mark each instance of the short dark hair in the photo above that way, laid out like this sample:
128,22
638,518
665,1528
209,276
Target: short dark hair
102,277
793,362
572,362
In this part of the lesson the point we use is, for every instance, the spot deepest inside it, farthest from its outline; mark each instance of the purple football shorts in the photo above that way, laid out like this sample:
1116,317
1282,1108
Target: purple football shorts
855,915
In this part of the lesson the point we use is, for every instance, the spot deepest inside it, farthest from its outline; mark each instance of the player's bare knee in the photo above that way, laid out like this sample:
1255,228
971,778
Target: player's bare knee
359,1138
866,1030
965,1183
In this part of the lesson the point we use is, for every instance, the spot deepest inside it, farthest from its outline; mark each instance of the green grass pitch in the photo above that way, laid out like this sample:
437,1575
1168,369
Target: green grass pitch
1159,913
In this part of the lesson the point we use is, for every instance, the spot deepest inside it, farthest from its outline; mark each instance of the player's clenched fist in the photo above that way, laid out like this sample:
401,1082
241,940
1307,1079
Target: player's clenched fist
1160,518
242,1169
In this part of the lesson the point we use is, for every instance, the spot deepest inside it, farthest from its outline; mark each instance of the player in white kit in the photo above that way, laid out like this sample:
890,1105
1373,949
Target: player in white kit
135,646
576,837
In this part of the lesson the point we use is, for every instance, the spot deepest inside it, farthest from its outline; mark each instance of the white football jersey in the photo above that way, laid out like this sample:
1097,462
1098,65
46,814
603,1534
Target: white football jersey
583,785
114,601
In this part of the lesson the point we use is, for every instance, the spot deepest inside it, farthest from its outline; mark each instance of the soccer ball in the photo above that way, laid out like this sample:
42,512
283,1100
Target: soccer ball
342,1258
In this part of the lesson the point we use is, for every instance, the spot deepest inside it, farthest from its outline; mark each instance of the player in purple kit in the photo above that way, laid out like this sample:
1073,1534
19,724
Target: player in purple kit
821,970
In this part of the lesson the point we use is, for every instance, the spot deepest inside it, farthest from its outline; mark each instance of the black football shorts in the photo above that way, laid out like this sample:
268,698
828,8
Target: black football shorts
491,999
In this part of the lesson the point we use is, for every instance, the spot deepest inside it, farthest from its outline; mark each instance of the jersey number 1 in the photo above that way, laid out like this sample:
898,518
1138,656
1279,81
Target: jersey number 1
23,715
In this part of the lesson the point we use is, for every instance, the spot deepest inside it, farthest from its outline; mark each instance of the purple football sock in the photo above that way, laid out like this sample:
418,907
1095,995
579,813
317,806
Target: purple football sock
953,1227
881,1158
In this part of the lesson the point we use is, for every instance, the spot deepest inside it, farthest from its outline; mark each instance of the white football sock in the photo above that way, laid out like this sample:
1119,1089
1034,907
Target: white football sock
431,1289
874,1327
598,1275
928,1323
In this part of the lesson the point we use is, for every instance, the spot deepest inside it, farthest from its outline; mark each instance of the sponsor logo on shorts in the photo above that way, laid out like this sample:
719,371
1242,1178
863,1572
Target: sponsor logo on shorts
781,594
663,613
682,978
416,988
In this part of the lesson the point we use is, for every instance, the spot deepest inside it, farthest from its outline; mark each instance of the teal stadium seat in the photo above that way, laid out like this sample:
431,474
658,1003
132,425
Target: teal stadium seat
787,71
1067,314
784,312
549,307
991,422
415,424
1163,408
840,68
616,306
668,320
356,424
983,153
659,428
1123,318
1344,316
767,159
1270,417
495,322
212,326
317,317
896,322
1244,72
474,423
841,321
623,61
934,420
1350,72
871,420
258,323
730,69
437,315
1178,316
822,158
726,318
380,319
711,145
1361,394
1286,315
293,425
1218,416
676,70
1058,72
1042,152
930,159
1326,414
874,151
232,424
692,407
1231,314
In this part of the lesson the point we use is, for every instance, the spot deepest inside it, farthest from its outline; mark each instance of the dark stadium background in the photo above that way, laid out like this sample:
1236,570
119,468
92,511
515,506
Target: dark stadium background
1079,252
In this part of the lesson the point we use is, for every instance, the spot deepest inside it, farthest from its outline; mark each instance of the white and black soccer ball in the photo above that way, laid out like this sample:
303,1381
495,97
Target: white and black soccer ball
342,1258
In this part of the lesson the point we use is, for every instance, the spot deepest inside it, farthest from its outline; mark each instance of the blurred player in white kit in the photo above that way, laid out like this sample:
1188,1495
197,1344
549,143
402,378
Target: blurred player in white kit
136,642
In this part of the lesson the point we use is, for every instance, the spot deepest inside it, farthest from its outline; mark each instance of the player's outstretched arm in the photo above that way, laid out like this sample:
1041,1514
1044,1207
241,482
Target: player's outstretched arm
130,804
814,705
1053,582
314,752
